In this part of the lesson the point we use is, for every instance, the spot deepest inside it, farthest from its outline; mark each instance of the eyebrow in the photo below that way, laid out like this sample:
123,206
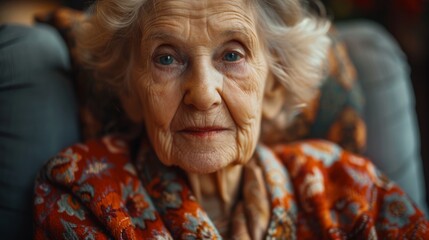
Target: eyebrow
241,32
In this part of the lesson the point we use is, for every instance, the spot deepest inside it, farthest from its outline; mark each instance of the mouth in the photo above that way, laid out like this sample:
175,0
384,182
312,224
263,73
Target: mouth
202,131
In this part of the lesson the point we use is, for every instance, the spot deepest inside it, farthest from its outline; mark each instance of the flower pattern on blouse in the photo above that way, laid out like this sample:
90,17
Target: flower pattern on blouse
137,203
63,167
96,191
169,190
69,205
397,211
199,227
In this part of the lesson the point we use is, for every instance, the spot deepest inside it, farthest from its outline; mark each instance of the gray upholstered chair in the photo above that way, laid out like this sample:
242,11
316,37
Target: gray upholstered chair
393,141
38,117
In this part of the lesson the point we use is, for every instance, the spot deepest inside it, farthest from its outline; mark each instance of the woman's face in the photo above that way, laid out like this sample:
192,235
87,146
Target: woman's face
200,82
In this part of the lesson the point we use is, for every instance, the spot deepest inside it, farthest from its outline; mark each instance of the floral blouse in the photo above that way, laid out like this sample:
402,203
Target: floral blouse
315,190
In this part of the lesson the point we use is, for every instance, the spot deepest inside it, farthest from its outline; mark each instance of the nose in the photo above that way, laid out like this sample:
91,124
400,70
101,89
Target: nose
203,86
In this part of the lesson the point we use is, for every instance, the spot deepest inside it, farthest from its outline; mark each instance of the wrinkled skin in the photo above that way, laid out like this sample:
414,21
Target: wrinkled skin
199,83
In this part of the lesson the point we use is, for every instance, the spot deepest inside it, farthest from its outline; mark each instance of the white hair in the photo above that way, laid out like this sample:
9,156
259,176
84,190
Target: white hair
298,45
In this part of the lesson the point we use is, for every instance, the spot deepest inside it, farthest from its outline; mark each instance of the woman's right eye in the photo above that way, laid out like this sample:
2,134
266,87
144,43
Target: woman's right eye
165,60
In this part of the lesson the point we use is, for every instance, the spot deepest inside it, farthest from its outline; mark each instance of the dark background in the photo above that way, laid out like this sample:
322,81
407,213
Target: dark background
408,22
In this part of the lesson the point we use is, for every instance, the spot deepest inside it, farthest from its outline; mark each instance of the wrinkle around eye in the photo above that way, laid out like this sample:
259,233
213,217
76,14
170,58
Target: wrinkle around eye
174,64
167,71
233,69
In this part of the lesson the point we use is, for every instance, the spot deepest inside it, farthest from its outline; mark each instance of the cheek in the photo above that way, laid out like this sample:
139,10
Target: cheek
158,94
160,102
243,98
245,107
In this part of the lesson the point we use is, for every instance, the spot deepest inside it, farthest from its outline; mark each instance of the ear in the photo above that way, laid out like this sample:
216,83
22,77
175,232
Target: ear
132,107
274,98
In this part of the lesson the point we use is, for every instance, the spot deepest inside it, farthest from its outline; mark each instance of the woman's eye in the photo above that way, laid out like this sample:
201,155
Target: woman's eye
231,57
166,60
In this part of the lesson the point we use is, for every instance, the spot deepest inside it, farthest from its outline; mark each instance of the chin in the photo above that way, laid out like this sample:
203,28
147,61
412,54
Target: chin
204,163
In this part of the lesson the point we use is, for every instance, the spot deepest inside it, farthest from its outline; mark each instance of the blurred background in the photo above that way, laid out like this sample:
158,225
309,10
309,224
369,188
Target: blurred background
408,22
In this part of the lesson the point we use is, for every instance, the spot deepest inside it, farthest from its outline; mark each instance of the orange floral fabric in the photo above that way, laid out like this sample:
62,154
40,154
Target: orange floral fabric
101,190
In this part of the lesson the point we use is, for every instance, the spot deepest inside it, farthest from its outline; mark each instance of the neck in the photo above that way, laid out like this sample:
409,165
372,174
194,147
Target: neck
220,188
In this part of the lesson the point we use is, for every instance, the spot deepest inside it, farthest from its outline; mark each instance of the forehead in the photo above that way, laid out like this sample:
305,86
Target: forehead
208,16
199,7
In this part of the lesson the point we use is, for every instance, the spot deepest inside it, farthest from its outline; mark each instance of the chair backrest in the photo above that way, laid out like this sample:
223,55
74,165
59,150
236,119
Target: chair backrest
389,112
366,105
38,117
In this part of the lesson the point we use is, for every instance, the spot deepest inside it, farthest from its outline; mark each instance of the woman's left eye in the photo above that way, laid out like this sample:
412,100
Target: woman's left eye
231,57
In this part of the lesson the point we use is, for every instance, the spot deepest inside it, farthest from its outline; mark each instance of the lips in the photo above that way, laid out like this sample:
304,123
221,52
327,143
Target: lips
202,131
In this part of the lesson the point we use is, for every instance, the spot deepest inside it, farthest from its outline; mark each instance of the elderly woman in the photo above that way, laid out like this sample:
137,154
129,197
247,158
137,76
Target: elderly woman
201,77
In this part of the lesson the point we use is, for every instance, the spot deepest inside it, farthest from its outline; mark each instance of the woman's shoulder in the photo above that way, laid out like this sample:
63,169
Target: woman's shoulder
332,163
93,157
333,183
320,166
82,185
318,151
106,145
